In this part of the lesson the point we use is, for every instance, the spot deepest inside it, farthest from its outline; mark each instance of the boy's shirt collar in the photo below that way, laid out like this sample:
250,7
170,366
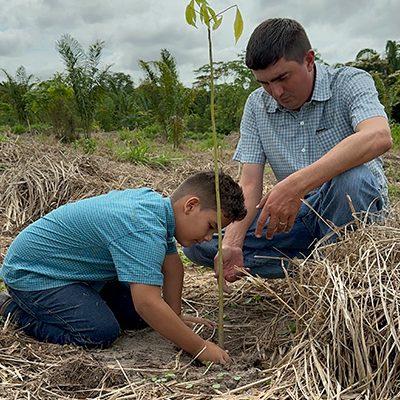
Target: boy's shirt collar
170,217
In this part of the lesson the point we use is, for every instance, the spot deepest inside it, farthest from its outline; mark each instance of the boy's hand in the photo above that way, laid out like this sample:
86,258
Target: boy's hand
191,321
214,353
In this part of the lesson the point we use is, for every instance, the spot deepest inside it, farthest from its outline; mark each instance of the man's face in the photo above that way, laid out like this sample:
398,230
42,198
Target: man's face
288,82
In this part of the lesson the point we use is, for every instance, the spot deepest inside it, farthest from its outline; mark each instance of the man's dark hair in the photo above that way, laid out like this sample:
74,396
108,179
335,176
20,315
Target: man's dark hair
202,185
276,38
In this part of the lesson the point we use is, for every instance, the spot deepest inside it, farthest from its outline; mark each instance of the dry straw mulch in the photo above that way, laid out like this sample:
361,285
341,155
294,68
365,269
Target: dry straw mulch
37,177
332,332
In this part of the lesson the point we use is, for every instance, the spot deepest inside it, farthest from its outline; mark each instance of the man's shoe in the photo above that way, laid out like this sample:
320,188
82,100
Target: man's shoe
5,300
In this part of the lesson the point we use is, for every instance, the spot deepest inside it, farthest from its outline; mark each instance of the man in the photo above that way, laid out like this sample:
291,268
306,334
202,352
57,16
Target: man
322,131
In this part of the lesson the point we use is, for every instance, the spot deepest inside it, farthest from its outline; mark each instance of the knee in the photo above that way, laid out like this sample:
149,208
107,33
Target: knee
100,336
358,183
201,254
350,181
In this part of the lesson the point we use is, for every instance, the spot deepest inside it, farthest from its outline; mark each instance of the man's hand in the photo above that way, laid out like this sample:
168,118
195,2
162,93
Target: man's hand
279,207
232,263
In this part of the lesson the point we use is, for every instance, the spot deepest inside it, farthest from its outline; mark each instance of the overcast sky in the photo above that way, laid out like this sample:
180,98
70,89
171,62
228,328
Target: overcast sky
139,29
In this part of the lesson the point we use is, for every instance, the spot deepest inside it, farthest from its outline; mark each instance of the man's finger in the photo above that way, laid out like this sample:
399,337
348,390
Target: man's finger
262,220
272,227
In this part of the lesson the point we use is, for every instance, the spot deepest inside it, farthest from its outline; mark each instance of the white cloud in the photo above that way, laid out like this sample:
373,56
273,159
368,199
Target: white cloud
134,30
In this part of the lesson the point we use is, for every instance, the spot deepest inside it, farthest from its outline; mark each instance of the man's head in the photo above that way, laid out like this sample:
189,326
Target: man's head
195,205
281,57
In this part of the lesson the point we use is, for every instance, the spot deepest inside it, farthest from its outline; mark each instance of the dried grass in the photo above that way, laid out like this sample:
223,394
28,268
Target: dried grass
36,178
332,332
346,307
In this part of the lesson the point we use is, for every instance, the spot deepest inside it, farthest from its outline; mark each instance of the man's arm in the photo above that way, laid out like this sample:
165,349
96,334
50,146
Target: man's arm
371,139
160,316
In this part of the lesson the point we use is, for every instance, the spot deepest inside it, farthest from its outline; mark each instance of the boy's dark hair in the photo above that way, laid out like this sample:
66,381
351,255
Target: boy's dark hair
202,185
276,38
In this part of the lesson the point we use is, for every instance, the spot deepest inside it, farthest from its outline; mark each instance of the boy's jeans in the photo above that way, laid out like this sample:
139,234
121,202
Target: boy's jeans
75,314
329,202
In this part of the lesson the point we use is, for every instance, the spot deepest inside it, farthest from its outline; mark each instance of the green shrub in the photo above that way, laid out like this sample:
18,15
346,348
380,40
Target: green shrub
135,154
151,131
87,145
3,138
40,128
131,138
19,129
5,129
395,128
394,192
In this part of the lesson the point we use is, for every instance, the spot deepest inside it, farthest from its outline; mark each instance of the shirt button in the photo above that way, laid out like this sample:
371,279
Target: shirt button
303,150
301,123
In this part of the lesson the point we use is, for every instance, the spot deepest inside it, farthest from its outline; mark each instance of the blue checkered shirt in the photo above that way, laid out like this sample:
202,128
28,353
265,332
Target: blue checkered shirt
291,140
122,235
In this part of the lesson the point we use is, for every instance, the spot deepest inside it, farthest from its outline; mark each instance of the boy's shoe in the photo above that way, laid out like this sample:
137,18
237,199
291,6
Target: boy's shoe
5,300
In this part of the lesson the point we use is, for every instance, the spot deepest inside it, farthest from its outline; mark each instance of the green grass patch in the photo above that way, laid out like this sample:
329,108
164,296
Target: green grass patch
395,128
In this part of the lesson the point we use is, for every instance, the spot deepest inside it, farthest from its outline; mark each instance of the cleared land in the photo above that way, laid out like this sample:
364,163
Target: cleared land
333,332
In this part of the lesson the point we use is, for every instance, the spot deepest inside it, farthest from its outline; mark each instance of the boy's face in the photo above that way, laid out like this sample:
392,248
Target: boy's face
194,225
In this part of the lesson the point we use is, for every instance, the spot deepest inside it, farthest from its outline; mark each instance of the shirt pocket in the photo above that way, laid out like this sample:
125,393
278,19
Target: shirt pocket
327,136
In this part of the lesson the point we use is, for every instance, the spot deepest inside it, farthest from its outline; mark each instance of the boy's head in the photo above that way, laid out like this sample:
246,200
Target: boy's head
195,206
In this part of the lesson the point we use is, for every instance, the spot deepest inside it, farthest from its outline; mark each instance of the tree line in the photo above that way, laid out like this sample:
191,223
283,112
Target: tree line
87,96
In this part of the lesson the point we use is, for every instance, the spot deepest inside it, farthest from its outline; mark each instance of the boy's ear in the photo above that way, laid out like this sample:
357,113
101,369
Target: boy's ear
191,203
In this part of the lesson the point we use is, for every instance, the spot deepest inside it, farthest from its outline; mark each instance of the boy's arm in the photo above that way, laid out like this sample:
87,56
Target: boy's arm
160,316
172,270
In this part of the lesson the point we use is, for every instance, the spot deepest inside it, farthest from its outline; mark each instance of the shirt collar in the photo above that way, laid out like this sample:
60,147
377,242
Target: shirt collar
170,217
321,92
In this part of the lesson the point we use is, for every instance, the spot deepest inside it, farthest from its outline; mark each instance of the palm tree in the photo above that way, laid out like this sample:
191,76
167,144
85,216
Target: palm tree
84,75
385,69
392,51
14,90
169,99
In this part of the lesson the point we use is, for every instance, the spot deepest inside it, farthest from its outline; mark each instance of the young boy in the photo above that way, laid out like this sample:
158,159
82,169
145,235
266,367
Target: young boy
88,269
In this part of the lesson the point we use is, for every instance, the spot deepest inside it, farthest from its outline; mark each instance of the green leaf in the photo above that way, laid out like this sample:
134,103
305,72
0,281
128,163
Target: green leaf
204,15
212,13
216,386
238,25
217,23
190,14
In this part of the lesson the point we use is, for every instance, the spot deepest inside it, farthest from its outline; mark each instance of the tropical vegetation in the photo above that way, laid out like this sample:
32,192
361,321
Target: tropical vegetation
87,96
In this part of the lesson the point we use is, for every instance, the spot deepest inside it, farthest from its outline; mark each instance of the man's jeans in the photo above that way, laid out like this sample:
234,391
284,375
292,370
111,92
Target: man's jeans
328,203
75,314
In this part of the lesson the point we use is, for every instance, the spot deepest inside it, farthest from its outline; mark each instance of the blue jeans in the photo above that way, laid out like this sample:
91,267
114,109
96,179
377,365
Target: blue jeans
329,202
75,314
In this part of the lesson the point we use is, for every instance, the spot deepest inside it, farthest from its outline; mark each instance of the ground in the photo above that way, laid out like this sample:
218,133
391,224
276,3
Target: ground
272,330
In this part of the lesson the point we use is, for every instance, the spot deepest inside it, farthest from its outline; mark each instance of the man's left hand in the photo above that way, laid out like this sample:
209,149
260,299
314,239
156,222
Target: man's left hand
279,207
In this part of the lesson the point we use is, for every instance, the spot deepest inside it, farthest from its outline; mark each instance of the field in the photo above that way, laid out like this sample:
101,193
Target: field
332,332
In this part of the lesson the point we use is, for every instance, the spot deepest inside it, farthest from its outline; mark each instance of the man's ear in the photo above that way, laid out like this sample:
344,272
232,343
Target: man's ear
310,59
191,203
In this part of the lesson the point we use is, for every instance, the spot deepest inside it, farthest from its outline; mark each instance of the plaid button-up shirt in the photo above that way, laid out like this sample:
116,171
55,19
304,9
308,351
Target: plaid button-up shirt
291,140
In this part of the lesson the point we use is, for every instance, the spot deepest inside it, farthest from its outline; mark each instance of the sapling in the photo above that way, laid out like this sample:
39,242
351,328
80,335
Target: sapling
212,21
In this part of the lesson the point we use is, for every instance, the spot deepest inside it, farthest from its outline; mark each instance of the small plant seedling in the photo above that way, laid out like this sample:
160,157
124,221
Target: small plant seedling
167,377
212,21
